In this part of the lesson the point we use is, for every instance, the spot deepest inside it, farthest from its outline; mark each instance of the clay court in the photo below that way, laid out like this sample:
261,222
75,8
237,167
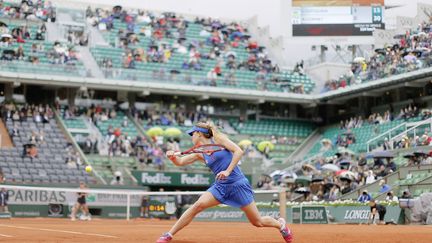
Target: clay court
102,230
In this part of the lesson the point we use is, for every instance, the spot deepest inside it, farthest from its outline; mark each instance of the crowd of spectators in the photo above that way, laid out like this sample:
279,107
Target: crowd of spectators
39,114
20,113
217,41
29,10
59,53
377,119
119,143
20,34
411,52
329,178
182,117
77,38
373,119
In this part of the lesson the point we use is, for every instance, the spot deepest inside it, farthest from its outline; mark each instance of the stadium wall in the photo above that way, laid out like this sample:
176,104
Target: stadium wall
308,215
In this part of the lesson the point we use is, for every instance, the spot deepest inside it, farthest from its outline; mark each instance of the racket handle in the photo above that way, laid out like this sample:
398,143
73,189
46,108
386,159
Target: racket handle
177,153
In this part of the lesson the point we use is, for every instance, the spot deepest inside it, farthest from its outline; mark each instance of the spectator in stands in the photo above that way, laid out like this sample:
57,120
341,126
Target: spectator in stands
391,197
33,138
406,194
348,185
391,166
211,78
19,53
88,145
40,137
334,193
158,158
425,140
382,171
118,179
125,121
71,160
264,183
384,187
387,145
428,159
15,131
364,197
370,177
299,68
378,162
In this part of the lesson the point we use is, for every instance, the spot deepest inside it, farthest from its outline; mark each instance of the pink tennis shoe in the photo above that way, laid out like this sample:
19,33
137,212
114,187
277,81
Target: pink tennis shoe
285,231
165,238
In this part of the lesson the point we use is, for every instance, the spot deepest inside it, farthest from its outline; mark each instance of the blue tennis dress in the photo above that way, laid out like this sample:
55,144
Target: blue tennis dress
235,190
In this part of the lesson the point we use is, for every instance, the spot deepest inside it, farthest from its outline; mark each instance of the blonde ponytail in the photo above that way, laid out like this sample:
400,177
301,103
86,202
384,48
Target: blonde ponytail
213,130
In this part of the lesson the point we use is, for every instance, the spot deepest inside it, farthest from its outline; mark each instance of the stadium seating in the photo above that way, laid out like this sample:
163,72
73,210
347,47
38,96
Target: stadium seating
49,166
275,127
245,79
262,130
362,135
44,64
77,123
395,58
116,122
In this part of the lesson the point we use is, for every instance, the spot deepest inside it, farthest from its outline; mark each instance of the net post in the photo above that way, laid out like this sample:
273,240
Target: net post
128,206
282,203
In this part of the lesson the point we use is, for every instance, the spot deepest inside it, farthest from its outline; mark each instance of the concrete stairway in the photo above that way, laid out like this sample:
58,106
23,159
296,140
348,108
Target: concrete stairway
5,140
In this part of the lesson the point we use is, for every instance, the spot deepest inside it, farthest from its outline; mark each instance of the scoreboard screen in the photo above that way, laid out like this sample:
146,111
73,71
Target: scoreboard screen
161,206
337,17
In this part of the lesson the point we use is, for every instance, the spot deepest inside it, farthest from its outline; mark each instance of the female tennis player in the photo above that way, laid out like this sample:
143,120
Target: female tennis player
231,187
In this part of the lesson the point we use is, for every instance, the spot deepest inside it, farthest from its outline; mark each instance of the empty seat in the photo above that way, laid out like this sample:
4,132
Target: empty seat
23,170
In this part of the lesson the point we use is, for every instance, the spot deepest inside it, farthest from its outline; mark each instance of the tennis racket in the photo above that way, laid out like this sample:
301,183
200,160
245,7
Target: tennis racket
202,149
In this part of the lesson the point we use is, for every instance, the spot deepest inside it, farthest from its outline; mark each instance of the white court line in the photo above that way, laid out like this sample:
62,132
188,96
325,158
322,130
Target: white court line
8,236
61,231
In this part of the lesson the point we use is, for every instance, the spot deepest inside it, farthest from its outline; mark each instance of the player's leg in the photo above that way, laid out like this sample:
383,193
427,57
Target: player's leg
255,218
86,210
74,211
206,200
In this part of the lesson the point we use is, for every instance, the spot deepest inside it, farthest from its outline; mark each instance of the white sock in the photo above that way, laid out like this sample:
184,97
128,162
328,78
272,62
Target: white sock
282,225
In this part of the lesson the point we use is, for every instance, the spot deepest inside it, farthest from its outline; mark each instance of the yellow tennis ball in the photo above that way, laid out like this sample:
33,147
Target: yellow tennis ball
88,169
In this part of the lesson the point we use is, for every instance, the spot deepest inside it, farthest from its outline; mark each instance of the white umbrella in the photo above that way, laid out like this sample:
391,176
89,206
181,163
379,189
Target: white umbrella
359,59
276,172
422,34
231,53
348,174
6,36
331,167
302,190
